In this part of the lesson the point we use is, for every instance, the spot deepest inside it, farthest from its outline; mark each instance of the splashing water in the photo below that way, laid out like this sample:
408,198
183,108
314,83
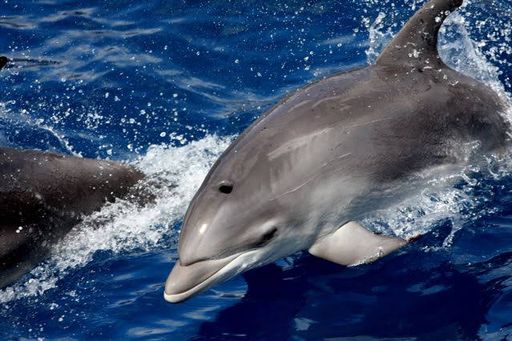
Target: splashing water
379,37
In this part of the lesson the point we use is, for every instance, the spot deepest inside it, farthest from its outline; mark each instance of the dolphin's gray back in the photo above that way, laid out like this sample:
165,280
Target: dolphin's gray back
378,122
43,195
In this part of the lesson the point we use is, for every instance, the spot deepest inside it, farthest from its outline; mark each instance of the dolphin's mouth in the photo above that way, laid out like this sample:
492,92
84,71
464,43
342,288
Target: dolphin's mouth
185,281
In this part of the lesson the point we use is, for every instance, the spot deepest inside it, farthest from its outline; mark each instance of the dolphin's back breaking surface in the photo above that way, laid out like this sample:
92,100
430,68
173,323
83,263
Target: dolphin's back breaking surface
387,120
43,195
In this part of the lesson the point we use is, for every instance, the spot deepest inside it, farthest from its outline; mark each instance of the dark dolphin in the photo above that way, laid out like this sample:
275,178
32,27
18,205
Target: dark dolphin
9,63
3,61
43,195
304,174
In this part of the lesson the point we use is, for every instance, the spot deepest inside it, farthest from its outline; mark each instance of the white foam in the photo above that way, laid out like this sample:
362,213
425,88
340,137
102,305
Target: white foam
440,201
379,37
462,53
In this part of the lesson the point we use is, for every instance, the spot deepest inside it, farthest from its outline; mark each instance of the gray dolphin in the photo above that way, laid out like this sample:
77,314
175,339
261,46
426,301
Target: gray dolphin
302,175
43,195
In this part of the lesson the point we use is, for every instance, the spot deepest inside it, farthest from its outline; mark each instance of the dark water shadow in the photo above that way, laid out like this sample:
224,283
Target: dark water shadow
271,302
391,299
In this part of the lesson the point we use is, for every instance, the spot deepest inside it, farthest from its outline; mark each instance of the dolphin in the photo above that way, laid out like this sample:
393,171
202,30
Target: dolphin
3,61
9,63
303,175
43,195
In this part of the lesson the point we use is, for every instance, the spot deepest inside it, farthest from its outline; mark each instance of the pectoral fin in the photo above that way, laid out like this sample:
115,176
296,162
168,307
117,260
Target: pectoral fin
353,245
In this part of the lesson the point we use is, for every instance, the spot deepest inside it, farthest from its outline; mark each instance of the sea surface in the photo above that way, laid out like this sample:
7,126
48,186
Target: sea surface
166,86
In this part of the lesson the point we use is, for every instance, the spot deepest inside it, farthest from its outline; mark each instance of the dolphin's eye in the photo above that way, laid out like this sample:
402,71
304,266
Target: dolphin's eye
268,236
226,188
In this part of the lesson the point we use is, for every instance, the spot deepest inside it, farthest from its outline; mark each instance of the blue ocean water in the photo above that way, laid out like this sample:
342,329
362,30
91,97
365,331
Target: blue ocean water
166,86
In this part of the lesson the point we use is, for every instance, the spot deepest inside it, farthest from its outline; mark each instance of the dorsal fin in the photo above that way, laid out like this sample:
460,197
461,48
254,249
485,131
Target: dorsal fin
416,43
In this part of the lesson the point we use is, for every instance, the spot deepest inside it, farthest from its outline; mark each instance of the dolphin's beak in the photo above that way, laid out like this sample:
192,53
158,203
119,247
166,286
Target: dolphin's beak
185,281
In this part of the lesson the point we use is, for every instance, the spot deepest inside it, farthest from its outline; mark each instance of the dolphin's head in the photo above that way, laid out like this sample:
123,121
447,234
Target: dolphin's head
235,222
